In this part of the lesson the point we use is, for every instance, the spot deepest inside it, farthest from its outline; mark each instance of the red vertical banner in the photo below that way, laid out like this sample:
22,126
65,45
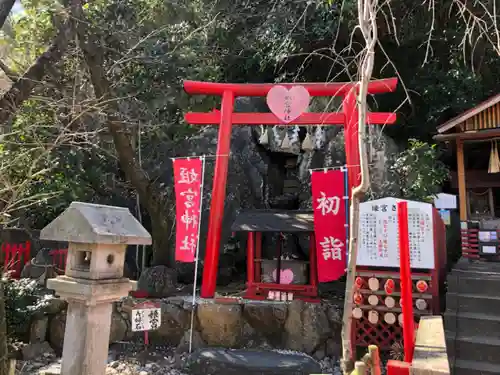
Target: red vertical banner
328,195
188,184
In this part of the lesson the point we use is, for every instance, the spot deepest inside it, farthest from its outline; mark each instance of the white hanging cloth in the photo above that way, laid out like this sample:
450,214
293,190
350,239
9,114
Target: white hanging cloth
494,166
264,136
295,134
319,137
308,142
286,144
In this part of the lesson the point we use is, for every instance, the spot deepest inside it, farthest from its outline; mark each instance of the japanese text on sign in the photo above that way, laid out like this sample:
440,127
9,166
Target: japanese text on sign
329,223
378,236
288,107
188,179
328,205
332,248
147,319
188,175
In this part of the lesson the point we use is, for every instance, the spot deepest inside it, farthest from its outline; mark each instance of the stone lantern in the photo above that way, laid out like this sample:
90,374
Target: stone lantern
98,236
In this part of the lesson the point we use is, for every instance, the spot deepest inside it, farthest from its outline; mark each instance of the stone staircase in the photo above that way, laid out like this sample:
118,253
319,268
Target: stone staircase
472,318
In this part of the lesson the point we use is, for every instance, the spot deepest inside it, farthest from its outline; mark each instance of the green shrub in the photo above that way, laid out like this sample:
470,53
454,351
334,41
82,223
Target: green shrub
24,299
421,173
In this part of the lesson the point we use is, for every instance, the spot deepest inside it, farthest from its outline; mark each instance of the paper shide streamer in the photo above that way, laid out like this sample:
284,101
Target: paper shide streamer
319,137
308,142
264,136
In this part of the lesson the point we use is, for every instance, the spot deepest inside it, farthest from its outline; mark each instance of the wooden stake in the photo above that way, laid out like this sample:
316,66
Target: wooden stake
12,367
375,360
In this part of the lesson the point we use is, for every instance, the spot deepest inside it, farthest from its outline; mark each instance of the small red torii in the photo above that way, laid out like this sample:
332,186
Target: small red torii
225,118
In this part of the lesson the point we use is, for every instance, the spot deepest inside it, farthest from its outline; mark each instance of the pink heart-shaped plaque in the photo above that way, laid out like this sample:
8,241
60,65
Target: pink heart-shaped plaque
288,104
286,276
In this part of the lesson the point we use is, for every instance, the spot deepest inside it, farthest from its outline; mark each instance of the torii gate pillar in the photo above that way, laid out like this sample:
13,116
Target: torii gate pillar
225,118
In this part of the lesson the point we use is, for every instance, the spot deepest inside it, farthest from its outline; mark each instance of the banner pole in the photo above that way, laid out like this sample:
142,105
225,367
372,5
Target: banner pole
346,204
196,259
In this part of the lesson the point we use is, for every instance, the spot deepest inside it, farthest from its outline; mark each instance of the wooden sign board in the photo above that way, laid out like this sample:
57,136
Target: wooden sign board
378,236
445,201
146,317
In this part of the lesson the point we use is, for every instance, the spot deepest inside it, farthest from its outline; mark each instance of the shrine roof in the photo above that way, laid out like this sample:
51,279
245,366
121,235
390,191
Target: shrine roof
468,114
274,221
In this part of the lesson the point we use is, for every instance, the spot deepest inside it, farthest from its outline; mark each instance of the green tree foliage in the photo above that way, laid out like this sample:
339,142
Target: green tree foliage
151,47
59,142
420,172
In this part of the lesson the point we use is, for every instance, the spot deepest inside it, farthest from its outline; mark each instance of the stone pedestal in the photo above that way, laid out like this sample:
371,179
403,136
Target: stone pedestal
98,236
86,338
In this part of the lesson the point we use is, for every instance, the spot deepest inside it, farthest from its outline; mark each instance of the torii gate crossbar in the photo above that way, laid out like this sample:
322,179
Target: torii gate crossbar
225,119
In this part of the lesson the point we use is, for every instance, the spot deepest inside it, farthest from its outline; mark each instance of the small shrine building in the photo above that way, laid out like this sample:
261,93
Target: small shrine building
474,136
472,315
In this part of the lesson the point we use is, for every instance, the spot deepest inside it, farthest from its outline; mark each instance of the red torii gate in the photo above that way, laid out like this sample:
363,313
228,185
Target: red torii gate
226,119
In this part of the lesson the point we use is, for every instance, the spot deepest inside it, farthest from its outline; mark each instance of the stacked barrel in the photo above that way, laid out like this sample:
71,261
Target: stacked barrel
377,313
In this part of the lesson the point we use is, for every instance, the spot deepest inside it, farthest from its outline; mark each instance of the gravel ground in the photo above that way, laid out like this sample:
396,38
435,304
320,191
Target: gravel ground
124,359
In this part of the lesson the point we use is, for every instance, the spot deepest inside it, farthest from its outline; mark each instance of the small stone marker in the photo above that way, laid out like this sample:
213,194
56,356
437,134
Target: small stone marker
98,236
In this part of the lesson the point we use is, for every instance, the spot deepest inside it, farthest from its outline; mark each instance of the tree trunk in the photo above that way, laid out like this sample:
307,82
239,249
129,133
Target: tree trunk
367,18
4,360
5,8
160,226
154,201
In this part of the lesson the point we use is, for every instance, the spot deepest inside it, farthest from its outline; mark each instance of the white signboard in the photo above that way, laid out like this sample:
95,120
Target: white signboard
445,201
146,319
378,236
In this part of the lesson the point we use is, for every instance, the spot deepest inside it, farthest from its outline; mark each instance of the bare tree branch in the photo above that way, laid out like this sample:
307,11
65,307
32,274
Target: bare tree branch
22,88
13,76
367,23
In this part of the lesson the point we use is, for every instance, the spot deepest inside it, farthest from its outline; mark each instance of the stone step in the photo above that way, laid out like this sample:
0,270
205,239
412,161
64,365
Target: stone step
472,303
461,367
472,324
465,265
474,348
481,284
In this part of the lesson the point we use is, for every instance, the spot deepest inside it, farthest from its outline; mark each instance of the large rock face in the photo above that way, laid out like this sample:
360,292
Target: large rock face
158,281
268,319
221,324
40,268
57,326
217,361
174,322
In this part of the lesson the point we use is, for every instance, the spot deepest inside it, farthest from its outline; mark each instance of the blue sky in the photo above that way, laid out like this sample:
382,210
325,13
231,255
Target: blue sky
17,7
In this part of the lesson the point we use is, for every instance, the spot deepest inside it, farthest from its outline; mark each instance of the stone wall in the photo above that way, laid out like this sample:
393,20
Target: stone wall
313,328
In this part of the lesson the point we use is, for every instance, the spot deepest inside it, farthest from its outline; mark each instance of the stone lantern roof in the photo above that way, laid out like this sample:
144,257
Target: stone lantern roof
95,223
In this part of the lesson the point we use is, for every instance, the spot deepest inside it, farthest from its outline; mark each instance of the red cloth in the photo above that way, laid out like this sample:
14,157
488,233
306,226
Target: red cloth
328,198
188,179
